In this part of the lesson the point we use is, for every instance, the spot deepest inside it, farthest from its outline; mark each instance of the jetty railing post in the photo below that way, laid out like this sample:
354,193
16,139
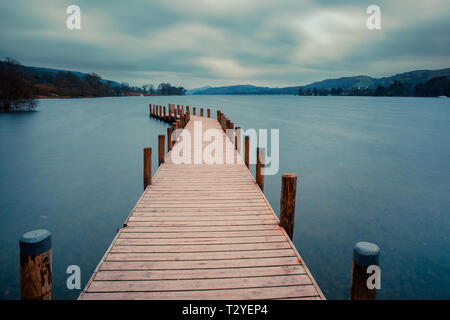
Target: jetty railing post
201,112
174,127
193,111
365,254
150,109
237,139
247,151
36,265
169,139
287,202
209,112
260,161
147,167
164,114
218,116
161,139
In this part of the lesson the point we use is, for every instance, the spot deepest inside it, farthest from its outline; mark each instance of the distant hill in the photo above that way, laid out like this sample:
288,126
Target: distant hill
411,78
194,91
39,73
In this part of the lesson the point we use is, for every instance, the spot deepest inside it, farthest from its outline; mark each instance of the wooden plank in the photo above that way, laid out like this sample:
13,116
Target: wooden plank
305,291
198,284
147,221
179,256
217,232
218,240
198,264
203,247
198,273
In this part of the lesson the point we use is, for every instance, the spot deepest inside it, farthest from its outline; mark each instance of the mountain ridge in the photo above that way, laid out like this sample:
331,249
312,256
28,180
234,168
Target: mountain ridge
361,81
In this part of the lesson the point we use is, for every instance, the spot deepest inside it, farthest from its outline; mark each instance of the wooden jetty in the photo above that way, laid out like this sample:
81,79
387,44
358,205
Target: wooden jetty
202,231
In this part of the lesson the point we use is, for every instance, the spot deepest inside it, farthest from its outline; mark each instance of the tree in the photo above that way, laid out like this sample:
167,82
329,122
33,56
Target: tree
435,87
16,93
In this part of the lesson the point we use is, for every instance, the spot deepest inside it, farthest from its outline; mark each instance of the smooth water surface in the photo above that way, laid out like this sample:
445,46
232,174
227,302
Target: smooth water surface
370,169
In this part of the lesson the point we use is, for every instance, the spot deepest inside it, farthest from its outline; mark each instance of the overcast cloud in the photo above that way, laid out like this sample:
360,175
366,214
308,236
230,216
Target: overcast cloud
222,42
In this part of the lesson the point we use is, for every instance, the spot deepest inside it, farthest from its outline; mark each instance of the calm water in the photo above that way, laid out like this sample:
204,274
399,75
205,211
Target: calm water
370,169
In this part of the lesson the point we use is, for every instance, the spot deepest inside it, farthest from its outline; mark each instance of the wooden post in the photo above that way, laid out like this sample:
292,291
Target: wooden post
247,150
187,109
365,254
188,117
174,127
260,160
150,109
193,111
287,202
218,116
161,139
209,112
36,265
169,139
237,139
227,124
147,167
164,113
201,112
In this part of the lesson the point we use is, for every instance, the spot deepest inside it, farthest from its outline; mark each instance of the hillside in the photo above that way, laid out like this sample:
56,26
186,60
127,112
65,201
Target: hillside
411,79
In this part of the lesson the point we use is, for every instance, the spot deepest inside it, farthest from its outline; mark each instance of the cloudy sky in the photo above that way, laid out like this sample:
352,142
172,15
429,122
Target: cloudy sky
222,42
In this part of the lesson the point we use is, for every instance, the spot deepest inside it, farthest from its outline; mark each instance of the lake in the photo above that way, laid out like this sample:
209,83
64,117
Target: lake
369,169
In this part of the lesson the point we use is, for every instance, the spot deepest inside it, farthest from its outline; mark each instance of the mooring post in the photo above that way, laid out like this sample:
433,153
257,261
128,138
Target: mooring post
260,160
218,116
209,112
188,116
365,254
161,139
164,114
147,167
287,202
187,108
36,265
160,112
247,151
201,112
193,111
150,109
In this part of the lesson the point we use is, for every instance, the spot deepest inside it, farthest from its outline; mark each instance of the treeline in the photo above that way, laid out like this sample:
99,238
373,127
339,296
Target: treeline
20,84
435,87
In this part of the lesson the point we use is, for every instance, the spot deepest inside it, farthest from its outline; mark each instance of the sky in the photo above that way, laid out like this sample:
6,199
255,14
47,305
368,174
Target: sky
194,43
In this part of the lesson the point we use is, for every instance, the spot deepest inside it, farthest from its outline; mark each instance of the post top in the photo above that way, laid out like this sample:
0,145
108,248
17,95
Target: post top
366,254
35,242
289,175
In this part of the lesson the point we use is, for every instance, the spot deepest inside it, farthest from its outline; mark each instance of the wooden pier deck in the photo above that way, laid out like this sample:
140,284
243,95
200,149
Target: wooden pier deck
202,231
